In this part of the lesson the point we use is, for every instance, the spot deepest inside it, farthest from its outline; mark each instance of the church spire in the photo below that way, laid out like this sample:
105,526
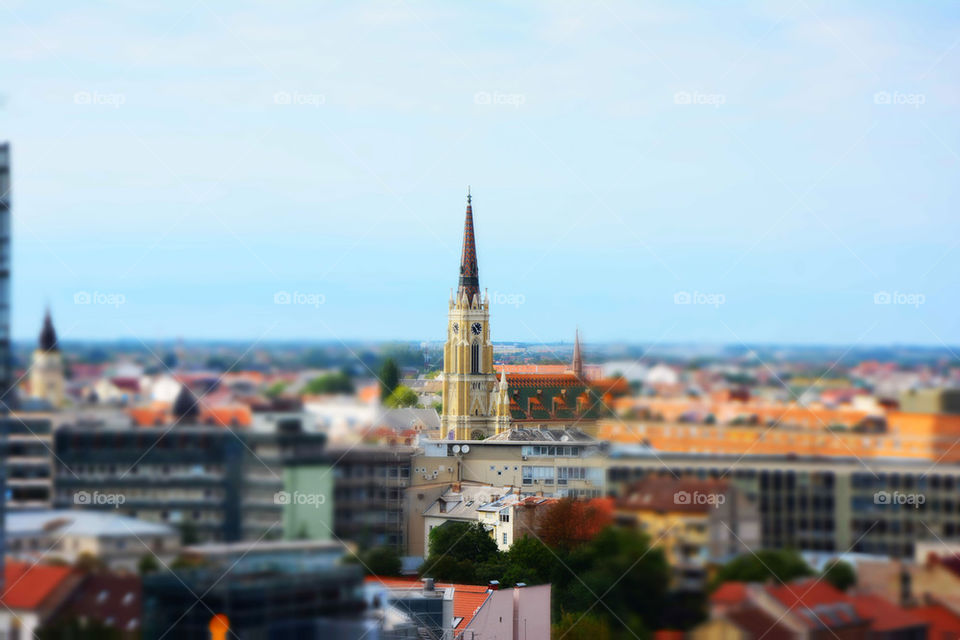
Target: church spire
577,364
469,273
48,336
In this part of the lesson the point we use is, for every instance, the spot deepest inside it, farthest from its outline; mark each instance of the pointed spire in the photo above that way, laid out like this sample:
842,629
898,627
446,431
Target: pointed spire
469,272
577,356
48,336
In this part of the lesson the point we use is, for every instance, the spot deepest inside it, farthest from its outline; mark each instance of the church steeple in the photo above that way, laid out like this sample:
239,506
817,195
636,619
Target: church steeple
577,364
48,336
469,272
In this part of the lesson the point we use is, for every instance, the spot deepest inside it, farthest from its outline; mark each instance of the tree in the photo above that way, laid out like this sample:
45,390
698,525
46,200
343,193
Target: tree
402,397
840,574
570,522
87,562
330,383
382,561
147,564
456,548
781,565
188,534
276,389
576,626
389,378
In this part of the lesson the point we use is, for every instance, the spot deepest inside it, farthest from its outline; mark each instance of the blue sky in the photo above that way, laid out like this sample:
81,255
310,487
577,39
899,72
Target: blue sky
782,163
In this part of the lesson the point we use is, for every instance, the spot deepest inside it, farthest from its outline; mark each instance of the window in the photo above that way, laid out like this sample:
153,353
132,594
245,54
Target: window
504,538
475,358
537,475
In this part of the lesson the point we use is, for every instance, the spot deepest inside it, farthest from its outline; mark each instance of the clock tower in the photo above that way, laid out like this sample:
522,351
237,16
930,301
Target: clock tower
472,405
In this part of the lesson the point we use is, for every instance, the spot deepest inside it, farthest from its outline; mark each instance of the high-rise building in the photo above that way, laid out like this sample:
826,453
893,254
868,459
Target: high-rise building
7,392
475,405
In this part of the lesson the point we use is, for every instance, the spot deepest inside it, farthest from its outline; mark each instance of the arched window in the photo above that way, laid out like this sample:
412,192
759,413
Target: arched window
475,358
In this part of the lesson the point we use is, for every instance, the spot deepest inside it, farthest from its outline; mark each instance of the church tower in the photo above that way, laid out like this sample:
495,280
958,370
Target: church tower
470,389
46,370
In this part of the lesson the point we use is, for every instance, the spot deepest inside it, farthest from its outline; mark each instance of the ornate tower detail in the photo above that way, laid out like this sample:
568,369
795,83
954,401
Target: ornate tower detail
577,364
470,391
46,370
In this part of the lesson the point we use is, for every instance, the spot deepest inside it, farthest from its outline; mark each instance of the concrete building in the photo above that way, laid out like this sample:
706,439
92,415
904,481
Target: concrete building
67,534
29,460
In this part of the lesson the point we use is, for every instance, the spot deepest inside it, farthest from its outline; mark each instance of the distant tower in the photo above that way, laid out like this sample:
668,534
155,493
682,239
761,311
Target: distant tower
470,390
577,365
46,370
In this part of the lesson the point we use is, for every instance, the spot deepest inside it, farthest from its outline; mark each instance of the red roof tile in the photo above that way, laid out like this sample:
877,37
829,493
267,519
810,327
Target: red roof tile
883,614
467,598
729,593
28,585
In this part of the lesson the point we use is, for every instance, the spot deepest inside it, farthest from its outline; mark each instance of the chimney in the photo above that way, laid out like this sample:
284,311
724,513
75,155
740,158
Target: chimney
494,585
428,585
457,487
906,597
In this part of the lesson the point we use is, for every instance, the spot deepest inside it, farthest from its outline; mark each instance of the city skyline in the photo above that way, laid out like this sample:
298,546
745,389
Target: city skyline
792,169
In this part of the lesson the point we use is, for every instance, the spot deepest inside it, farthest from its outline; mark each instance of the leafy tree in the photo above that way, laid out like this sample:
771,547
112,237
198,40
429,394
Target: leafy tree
330,383
782,565
569,523
87,562
840,574
389,378
456,548
576,626
402,397
147,564
530,561
276,389
382,561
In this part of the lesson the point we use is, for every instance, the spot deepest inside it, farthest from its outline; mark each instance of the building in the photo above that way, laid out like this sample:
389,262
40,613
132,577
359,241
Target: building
29,460
8,392
214,483
33,594
288,589
46,369
697,523
103,602
67,534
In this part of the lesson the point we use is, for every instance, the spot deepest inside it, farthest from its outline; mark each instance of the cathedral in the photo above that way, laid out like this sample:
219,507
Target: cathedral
478,403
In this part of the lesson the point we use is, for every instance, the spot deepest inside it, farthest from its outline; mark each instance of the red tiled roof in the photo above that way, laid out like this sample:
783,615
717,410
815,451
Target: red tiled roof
730,593
759,624
944,623
883,614
28,585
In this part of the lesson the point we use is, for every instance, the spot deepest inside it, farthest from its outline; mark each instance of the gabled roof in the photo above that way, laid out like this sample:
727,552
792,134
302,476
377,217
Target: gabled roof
28,586
467,598
757,623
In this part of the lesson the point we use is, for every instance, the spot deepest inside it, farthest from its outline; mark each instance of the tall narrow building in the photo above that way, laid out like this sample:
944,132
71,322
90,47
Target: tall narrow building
473,408
7,392
46,371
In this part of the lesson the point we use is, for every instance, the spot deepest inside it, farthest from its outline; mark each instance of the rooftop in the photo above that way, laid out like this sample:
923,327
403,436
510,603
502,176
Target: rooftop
80,523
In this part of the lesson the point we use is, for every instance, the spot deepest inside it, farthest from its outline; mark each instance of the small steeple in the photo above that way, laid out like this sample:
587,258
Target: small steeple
469,272
577,364
186,407
48,336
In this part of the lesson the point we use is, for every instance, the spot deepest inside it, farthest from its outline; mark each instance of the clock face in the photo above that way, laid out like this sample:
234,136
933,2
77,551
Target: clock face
476,328
456,327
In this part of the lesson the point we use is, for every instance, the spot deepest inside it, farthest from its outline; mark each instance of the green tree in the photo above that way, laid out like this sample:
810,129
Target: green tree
456,549
147,564
276,389
840,574
781,565
329,383
382,561
389,378
402,397
576,626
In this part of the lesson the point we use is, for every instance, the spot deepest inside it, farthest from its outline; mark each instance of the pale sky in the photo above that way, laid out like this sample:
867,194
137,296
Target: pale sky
782,163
